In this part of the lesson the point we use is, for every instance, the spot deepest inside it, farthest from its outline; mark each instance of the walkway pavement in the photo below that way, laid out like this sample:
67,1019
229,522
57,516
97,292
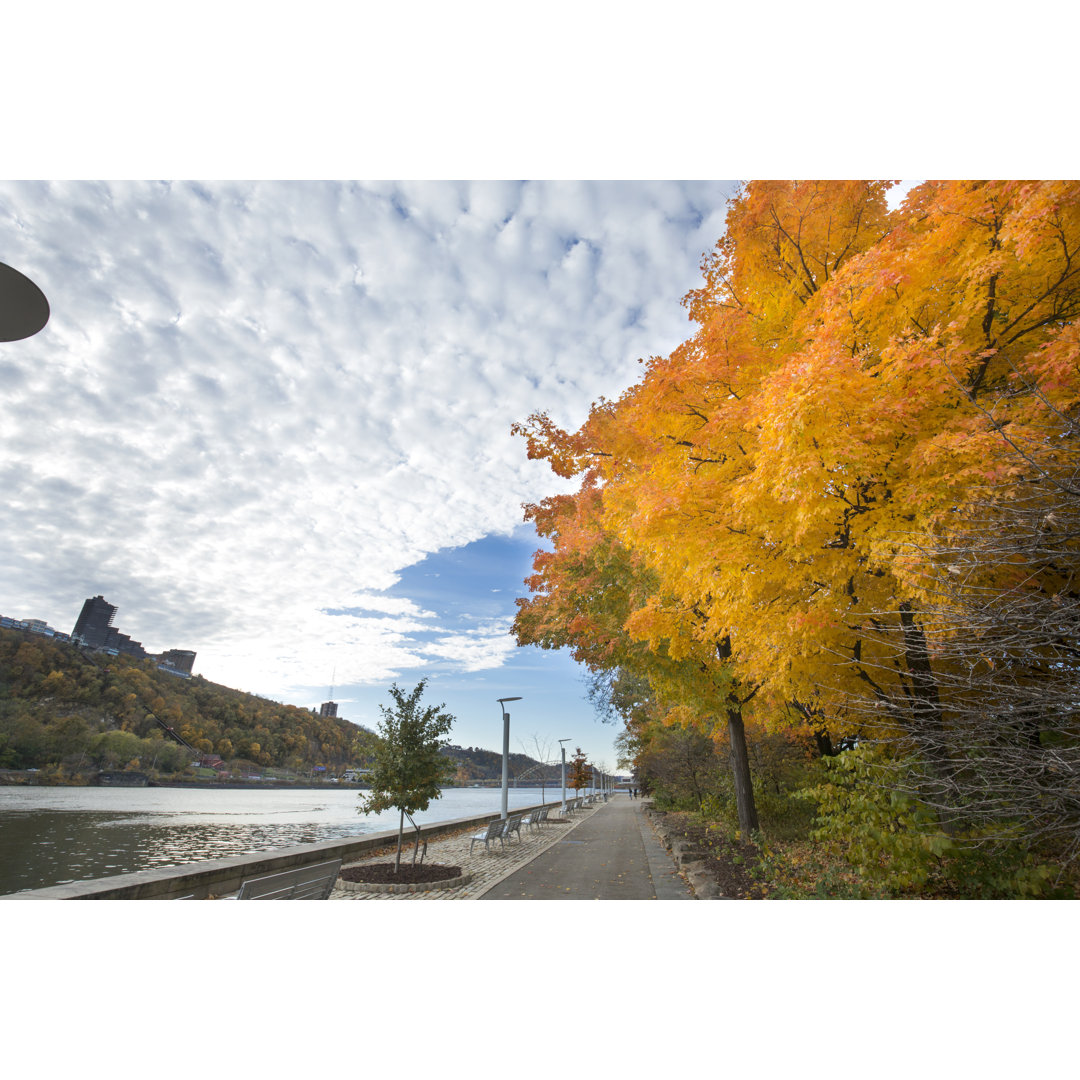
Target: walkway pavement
607,851
612,855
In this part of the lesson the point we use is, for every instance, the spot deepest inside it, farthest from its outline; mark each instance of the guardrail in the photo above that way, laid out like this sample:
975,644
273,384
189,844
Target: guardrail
220,877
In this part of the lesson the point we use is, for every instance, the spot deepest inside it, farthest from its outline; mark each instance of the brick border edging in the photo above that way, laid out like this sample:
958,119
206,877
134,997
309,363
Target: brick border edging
415,887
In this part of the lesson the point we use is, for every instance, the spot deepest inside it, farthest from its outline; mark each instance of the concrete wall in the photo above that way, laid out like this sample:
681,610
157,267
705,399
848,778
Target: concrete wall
220,877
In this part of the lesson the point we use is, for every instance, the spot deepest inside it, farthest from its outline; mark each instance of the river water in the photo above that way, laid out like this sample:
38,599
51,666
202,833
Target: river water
53,835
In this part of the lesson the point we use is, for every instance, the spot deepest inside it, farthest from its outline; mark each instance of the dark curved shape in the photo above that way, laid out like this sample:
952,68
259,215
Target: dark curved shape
23,307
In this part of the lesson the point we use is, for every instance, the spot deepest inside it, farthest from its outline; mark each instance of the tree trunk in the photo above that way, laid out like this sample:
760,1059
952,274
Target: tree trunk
740,768
400,831
927,721
740,759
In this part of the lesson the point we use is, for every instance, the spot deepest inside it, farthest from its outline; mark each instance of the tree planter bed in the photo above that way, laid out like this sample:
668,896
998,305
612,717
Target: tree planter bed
380,877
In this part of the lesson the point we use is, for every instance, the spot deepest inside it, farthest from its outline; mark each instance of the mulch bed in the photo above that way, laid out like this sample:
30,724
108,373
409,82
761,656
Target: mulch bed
383,873
728,861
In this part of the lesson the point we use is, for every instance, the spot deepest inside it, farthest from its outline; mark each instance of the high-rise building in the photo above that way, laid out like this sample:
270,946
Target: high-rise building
94,622
328,708
94,629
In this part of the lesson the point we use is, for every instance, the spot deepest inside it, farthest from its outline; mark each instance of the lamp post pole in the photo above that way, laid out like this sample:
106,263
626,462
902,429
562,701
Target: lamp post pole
562,750
506,751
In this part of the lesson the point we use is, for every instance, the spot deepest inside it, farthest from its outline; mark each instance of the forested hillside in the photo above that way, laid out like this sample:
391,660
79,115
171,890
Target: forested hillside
75,712
71,713
475,764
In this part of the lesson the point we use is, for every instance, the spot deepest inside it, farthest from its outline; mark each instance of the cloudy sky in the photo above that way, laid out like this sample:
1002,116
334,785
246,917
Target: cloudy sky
271,421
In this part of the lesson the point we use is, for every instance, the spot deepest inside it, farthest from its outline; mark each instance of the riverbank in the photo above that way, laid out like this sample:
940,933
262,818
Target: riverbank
216,878
50,835
35,778
39,778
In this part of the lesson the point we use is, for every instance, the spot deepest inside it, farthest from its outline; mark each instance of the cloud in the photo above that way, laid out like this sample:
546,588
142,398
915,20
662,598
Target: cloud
255,403
484,648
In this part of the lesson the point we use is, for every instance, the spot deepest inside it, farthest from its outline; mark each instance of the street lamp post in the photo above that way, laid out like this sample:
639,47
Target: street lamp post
562,750
506,751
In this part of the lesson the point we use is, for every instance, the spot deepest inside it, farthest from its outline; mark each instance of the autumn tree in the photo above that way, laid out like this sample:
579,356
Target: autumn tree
1001,595
408,768
585,593
680,765
847,387
578,774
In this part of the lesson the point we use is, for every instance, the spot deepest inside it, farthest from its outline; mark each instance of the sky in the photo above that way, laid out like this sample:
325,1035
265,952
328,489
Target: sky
270,421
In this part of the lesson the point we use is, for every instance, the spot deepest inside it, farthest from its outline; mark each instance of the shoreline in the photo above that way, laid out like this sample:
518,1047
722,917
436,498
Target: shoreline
17,778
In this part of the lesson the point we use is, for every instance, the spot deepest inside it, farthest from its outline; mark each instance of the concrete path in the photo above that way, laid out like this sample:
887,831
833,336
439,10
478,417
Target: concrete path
611,855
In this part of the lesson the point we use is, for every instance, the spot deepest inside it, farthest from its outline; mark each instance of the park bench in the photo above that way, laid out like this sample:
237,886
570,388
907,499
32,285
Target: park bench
535,818
513,825
313,882
496,830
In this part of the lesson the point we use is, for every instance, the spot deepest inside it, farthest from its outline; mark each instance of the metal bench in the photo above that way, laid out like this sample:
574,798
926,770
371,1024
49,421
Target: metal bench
496,830
314,882
513,825
534,819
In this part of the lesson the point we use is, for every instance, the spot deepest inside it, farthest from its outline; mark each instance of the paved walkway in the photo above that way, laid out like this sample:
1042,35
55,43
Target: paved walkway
604,852
612,855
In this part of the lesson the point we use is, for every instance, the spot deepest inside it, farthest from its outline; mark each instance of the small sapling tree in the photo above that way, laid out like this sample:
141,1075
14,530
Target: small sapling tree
578,777
408,768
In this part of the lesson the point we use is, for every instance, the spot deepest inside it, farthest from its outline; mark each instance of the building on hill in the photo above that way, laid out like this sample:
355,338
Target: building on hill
328,708
95,630
33,626
94,622
180,660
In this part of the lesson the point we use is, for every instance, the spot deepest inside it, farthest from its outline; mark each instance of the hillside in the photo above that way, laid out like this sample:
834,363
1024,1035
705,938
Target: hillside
474,765
73,712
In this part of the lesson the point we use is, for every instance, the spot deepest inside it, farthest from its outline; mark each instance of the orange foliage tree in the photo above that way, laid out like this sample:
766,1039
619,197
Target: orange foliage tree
580,772
853,382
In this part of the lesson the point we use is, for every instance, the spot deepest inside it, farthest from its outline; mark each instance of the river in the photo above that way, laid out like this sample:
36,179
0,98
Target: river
53,835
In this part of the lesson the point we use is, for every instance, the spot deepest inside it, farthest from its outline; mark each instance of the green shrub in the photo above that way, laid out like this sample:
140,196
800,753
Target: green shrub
899,845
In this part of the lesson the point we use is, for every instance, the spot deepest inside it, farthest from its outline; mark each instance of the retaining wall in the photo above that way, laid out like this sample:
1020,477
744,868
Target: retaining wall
220,877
